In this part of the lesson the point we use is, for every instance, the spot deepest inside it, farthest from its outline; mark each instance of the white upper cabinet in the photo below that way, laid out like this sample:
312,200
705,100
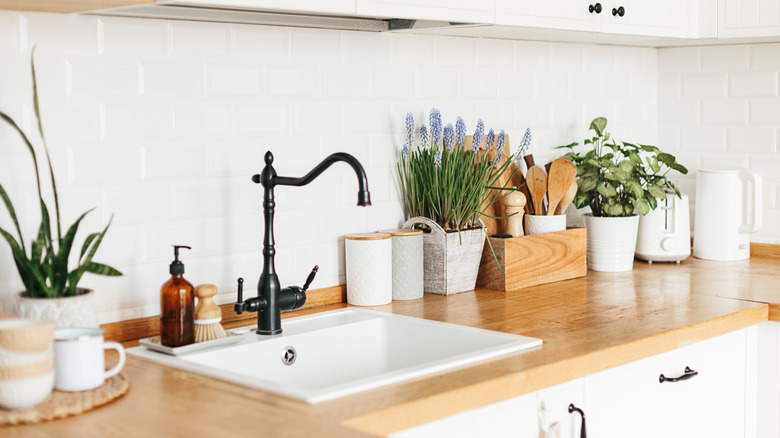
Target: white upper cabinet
748,18
465,11
657,18
551,14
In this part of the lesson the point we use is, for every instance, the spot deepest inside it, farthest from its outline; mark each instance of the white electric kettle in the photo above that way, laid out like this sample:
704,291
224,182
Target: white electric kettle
728,209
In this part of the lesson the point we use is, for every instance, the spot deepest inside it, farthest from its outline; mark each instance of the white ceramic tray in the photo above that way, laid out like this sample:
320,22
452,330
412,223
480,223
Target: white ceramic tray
154,344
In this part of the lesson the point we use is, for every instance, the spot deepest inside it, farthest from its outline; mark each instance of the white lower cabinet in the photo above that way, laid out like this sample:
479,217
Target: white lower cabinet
734,393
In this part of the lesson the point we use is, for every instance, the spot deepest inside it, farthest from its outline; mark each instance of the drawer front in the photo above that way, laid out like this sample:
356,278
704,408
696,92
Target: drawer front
631,401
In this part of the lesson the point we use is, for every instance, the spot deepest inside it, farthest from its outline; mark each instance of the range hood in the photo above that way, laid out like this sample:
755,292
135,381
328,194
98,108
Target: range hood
242,11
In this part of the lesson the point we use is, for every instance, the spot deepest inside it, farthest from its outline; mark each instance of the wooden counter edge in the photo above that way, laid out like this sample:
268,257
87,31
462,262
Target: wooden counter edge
424,410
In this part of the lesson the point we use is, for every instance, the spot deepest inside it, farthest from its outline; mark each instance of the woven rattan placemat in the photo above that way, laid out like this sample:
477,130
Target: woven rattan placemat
64,404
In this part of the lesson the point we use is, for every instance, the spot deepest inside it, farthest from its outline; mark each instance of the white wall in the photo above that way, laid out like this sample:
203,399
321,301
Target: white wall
163,123
719,106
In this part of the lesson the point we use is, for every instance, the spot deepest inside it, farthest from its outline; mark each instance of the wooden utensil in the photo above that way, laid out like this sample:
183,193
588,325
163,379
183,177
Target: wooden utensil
536,179
562,173
567,198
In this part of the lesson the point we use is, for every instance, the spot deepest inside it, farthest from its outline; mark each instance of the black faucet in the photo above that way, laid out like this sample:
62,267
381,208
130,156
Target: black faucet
271,300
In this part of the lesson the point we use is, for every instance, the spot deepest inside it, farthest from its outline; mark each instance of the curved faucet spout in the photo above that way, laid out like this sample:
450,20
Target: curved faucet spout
268,288
364,197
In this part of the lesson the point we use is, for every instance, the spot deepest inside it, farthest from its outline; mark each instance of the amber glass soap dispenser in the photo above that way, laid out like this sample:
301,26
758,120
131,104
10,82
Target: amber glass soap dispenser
177,302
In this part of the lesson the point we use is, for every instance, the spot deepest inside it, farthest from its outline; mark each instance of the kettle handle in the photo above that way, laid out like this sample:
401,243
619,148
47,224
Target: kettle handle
756,204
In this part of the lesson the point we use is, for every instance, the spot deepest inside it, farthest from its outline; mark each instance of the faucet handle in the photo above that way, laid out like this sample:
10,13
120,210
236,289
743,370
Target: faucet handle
310,278
239,306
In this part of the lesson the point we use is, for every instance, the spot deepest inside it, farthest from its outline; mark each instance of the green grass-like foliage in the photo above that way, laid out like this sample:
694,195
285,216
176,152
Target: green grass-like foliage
614,180
44,268
450,194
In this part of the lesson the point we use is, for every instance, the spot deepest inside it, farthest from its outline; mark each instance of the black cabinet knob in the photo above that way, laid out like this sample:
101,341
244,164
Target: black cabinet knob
621,11
595,8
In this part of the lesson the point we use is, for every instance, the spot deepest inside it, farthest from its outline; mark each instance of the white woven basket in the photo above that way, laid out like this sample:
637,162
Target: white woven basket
451,259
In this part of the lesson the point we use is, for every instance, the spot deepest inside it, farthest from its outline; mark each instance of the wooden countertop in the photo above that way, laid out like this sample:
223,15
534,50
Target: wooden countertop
587,325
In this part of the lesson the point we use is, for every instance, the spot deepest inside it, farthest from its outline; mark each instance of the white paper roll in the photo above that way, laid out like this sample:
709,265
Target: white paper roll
369,269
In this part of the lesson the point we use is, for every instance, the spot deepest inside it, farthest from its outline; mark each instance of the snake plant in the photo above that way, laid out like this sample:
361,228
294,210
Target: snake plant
44,267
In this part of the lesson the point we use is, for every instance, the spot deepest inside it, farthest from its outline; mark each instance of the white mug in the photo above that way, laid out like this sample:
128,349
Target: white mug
79,361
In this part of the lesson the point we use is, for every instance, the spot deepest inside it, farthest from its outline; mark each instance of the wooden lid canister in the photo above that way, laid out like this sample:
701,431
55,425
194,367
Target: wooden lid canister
369,263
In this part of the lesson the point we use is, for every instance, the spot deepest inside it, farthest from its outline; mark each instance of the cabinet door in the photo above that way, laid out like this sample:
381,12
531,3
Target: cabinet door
333,7
466,11
551,14
630,400
658,18
747,18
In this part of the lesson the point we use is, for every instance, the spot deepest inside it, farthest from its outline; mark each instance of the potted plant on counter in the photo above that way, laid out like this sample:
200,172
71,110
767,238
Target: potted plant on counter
445,186
615,179
51,289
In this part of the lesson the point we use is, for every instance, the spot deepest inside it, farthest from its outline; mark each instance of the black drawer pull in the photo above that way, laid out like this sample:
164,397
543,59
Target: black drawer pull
572,408
595,8
621,11
689,373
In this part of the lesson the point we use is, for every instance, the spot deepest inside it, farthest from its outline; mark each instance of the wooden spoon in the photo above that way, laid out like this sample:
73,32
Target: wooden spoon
567,198
536,179
562,173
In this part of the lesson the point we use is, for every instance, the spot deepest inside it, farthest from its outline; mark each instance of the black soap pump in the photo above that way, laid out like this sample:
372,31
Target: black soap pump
177,306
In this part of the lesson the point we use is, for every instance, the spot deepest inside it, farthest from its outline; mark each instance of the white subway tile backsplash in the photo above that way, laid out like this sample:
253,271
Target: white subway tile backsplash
531,55
261,118
753,84
365,48
235,234
705,86
616,86
104,78
703,139
437,83
365,118
551,85
386,149
169,160
240,157
313,46
492,53
345,82
104,163
138,203
725,58
147,120
585,85
392,82
765,112
687,111
120,37
70,121
317,117
158,238
598,58
60,34
293,80
532,113
766,165
719,112
10,33
197,40
565,57
500,113
267,43
514,84
239,80
417,50
626,59
172,79
752,139
202,119
679,60
721,161
477,84
765,57
456,52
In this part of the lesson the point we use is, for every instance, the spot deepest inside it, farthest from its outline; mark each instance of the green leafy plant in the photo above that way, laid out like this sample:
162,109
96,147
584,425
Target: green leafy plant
44,268
444,181
614,179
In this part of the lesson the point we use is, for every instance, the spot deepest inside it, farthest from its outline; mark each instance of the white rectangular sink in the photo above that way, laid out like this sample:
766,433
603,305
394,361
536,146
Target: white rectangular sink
342,352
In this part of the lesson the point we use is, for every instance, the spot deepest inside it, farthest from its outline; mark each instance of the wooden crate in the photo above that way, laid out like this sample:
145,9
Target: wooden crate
532,260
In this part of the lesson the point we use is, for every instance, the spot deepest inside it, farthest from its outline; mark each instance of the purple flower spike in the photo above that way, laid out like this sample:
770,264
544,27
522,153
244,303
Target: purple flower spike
478,133
489,140
405,151
423,135
409,129
437,159
449,137
460,132
499,148
525,144
435,126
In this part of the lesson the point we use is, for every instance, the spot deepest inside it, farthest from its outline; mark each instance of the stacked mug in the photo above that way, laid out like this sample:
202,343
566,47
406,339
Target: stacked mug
26,362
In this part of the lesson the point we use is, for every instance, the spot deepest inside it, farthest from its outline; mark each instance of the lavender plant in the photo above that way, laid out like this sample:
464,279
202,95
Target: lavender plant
449,184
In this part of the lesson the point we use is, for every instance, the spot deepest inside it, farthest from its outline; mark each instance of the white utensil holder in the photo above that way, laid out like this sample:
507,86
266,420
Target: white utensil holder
369,258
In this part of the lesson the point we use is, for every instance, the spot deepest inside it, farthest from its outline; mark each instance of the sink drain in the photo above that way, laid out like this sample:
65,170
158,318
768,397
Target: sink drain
289,355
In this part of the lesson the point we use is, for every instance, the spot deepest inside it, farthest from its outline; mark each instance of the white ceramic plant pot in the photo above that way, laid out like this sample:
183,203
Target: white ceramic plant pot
611,242
66,312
